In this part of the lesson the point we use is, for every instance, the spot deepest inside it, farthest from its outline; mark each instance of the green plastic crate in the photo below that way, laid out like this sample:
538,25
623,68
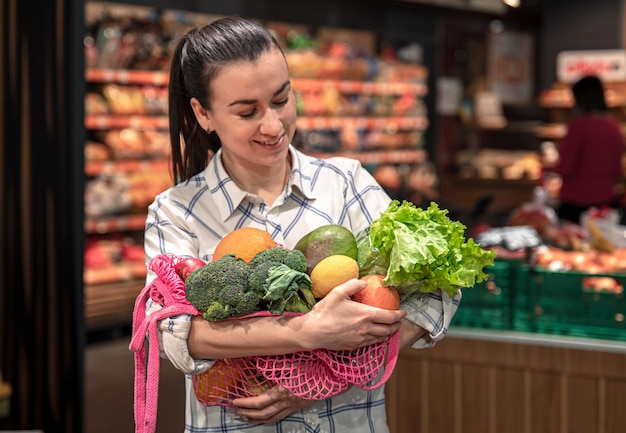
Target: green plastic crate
551,302
489,304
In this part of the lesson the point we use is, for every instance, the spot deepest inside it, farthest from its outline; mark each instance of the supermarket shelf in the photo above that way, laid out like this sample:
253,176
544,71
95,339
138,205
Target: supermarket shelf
111,303
337,122
114,224
160,78
113,274
361,87
563,98
488,183
320,122
518,337
96,225
105,121
554,131
515,126
383,157
123,76
94,168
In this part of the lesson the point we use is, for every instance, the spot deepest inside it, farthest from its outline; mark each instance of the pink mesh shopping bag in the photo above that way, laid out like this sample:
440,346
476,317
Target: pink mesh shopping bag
312,375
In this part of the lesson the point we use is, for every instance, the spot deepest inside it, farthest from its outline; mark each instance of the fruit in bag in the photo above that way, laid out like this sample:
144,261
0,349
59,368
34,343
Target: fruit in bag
325,241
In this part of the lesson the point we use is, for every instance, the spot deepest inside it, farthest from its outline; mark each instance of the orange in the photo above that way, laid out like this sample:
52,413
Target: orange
218,383
332,271
377,294
244,243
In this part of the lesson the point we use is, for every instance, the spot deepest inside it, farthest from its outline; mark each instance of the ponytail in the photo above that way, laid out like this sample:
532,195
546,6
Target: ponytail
191,146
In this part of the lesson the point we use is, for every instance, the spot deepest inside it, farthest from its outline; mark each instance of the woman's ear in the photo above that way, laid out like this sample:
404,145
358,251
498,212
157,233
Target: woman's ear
202,115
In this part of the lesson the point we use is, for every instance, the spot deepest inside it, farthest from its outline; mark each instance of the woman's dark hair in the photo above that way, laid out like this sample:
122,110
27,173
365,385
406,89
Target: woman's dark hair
589,95
197,59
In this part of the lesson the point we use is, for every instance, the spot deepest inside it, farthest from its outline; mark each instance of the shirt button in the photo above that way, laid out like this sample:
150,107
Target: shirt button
310,421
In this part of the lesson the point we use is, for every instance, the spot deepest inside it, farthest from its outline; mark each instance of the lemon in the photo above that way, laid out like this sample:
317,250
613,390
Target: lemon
332,271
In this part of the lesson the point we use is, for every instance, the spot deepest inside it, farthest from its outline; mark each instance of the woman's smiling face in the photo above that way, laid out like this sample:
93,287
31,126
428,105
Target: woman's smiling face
253,110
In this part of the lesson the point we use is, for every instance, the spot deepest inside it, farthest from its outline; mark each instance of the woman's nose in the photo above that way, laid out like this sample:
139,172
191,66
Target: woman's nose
271,124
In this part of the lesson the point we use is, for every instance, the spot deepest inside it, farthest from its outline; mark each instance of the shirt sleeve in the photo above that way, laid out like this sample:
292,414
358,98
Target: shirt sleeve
432,312
172,331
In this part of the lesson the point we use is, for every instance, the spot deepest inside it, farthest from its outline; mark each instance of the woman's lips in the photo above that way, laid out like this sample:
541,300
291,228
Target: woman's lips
271,143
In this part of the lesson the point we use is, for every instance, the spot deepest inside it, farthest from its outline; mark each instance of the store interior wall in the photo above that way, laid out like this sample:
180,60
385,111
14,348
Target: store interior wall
577,25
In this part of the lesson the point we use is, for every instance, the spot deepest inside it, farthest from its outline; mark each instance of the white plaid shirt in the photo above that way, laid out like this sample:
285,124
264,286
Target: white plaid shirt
190,219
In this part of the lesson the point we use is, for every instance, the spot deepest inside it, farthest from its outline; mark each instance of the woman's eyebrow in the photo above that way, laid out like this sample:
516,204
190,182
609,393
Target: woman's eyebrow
253,101
282,88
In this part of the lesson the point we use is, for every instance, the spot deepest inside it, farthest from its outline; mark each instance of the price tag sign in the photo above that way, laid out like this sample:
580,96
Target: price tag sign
608,65
512,238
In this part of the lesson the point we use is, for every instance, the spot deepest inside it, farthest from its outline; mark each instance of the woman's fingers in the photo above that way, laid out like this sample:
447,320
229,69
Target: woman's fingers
271,406
348,288
339,323
344,292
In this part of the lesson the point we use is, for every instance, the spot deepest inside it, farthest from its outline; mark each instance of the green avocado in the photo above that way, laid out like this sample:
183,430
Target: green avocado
326,241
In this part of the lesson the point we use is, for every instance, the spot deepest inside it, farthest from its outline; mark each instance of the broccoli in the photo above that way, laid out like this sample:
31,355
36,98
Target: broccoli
220,289
257,278
295,259
279,276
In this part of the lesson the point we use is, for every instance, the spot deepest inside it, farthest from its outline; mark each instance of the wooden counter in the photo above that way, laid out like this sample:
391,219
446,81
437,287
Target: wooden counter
509,382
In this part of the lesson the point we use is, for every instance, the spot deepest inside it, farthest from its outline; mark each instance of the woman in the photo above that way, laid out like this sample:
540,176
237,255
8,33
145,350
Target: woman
590,154
231,97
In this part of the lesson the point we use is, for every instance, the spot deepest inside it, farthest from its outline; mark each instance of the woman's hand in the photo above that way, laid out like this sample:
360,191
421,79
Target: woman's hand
271,406
338,323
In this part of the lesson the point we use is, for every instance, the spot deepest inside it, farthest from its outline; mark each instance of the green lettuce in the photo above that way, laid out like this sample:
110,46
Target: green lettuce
421,249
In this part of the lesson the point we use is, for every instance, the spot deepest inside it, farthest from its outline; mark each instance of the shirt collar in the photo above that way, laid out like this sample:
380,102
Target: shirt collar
228,196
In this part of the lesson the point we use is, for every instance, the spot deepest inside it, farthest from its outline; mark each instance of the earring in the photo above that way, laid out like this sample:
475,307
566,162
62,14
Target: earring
208,130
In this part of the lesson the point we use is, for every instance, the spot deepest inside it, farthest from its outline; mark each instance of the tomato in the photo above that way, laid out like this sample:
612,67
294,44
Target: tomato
186,266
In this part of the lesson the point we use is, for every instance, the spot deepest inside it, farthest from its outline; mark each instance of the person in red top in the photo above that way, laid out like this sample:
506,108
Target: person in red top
590,154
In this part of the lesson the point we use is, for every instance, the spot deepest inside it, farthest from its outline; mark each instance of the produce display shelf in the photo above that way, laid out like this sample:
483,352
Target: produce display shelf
125,76
562,97
382,157
115,224
111,303
559,303
160,78
518,297
111,274
93,168
339,122
351,86
107,121
489,304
